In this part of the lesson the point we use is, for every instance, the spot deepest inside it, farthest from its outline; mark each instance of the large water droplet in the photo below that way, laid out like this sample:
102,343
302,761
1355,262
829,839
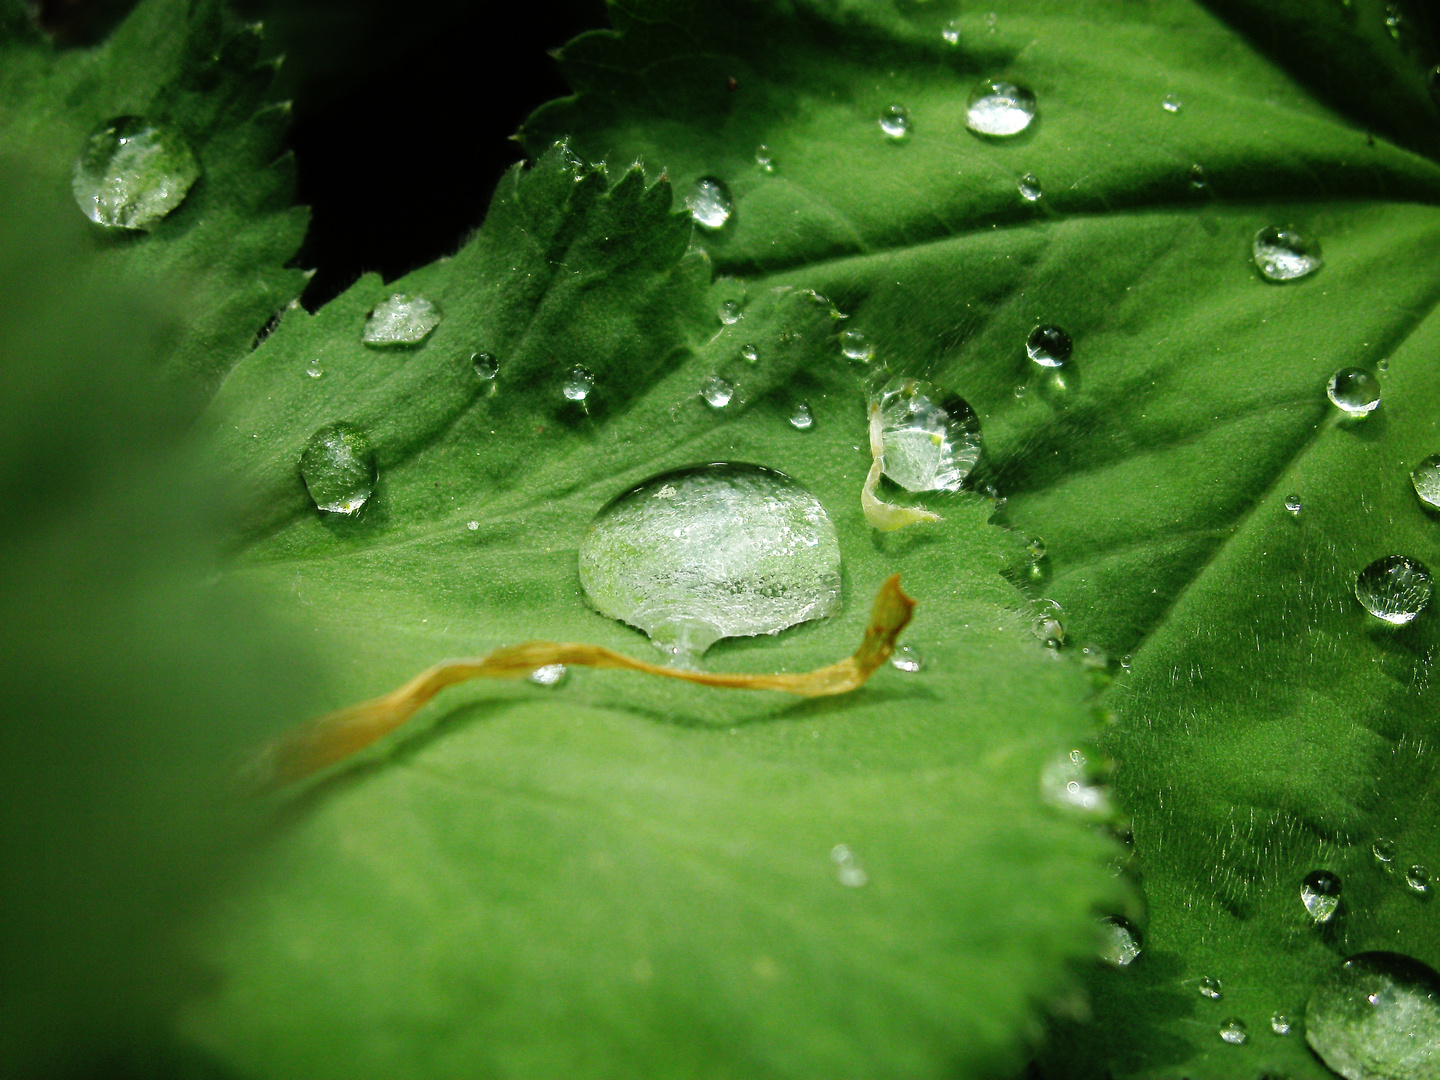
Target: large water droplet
1285,253
1029,187
1354,391
848,869
486,366
1377,1017
578,385
1000,109
715,551
1121,942
1049,346
1280,1024
1233,1031
338,467
730,312
1395,589
716,391
1426,479
131,173
1210,987
709,203
801,418
1418,878
400,320
1320,893
856,346
895,121
907,659
927,446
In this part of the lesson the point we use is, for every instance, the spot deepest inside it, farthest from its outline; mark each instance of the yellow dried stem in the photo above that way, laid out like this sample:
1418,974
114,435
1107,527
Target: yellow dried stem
335,736
887,517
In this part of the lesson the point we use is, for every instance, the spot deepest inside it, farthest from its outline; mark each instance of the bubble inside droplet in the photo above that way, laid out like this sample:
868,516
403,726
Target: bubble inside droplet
1121,941
1394,589
716,391
906,658
1000,109
723,550
578,385
709,203
1049,346
131,173
1284,253
1280,1024
1210,987
1418,878
848,870
730,313
1029,186
400,320
895,121
1233,1031
1070,783
1354,391
1320,893
801,418
338,467
1426,478
927,446
486,366
549,675
1377,1017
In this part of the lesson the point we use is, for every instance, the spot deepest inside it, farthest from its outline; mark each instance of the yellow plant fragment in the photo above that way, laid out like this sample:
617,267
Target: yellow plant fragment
887,517
335,736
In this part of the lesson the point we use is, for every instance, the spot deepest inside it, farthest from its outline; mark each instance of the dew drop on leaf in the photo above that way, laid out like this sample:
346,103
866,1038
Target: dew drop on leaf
709,203
1394,589
1426,478
1121,941
578,385
765,159
1377,1017
722,550
1000,109
1383,850
1284,253
950,34
1354,391
1198,179
1418,878
400,320
927,446
486,366
1280,1024
907,659
1294,505
895,121
473,526
549,675
131,173
1170,103
1029,187
856,346
1210,987
716,391
1049,346
338,467
730,312
801,418
314,370
1320,893
848,869
750,354
1233,1031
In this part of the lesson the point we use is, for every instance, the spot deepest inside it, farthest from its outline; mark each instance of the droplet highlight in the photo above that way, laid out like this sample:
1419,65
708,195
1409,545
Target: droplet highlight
710,204
1320,893
715,551
1377,1017
1000,110
400,320
1394,589
131,173
338,468
927,446
1354,391
1049,346
1284,253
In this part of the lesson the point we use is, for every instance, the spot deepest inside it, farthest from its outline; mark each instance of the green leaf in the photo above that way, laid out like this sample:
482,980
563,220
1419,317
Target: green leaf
189,66
621,874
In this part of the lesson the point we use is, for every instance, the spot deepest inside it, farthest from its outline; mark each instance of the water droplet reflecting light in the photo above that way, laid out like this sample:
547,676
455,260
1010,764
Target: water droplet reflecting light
1426,479
801,418
907,659
895,121
1000,110
1029,187
1320,893
1286,253
1049,346
1280,1024
927,446
716,391
1210,987
131,173
549,675
1377,1017
338,467
1233,1031
1354,391
709,203
400,320
1395,589
848,870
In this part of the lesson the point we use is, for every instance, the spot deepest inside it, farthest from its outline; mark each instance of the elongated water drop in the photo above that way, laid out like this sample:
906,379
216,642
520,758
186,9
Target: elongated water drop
1284,253
338,467
1354,391
1234,1032
1121,945
927,446
723,550
1049,346
578,385
1000,109
549,675
1320,893
1377,1017
709,202
1280,1024
895,121
716,391
1426,478
400,320
1029,186
1395,589
131,173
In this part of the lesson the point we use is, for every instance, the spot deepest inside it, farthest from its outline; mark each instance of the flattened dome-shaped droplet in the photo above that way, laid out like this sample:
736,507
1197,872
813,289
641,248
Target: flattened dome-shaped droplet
338,467
1284,253
1377,1017
131,173
710,203
1394,589
400,320
1000,109
1354,391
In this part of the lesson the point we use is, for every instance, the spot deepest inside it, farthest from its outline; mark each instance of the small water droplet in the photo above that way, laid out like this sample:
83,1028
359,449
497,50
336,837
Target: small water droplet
1280,1024
1049,623
1394,21
1426,478
1210,987
907,659
1354,391
486,366
578,385
716,391
730,313
895,121
801,418
1383,850
1049,346
723,550
549,675
927,446
400,320
1418,878
338,467
1320,893
314,370
1000,110
1293,504
1126,661
1170,103
1121,942
709,203
1285,253
1233,1032
848,870
1377,1017
472,525
856,346
750,354
765,159
1198,179
1021,390
131,173
951,32
1394,589
1382,365
1029,187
